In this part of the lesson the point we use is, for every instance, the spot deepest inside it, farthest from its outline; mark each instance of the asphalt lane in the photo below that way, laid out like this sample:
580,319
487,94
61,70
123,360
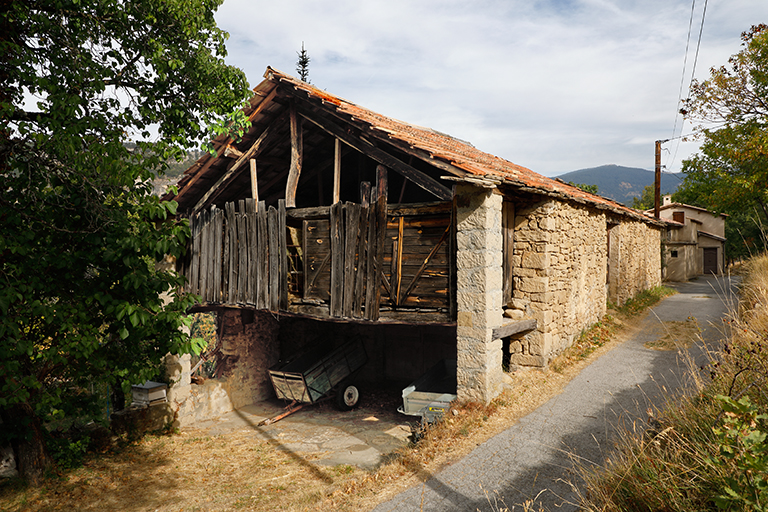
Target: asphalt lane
533,460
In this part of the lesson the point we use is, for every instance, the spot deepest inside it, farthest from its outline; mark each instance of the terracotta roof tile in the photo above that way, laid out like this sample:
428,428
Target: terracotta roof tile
460,154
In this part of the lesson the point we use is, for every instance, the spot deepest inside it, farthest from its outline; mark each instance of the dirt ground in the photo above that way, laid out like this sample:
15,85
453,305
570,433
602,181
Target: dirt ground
303,462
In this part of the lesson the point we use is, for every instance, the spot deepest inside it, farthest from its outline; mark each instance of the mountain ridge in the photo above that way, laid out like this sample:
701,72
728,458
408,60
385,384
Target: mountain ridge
620,183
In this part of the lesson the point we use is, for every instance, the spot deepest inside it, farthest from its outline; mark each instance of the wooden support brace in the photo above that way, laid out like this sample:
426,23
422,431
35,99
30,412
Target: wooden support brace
296,157
336,171
514,328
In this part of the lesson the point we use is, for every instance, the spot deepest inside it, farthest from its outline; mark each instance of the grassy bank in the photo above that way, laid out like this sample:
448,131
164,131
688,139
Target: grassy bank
707,451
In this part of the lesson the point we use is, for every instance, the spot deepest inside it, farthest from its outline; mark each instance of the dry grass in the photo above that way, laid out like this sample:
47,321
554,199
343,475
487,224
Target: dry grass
685,462
239,471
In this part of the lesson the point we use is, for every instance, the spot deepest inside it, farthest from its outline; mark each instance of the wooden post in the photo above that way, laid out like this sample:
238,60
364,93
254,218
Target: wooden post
657,183
296,158
337,171
254,182
381,230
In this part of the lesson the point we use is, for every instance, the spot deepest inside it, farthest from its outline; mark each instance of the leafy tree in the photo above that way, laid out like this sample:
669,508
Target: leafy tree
730,172
82,234
592,189
647,199
302,64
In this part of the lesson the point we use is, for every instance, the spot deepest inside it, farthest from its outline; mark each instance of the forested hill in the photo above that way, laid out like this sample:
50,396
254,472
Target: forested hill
622,183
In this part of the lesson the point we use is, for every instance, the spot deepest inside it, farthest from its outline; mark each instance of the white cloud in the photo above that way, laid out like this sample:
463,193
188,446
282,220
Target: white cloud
554,85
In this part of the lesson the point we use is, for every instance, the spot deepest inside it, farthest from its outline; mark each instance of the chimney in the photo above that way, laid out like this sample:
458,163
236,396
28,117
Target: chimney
667,199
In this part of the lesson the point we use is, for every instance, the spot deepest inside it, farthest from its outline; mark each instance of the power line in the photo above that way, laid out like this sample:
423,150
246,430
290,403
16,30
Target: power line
693,70
685,64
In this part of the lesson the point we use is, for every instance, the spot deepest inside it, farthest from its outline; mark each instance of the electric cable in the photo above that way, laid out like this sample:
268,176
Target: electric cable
693,71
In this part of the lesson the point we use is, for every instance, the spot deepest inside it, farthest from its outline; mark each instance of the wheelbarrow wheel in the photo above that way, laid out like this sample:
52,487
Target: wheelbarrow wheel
348,396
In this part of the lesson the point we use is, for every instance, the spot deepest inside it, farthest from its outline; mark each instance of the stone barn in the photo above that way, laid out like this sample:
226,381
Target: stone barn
329,221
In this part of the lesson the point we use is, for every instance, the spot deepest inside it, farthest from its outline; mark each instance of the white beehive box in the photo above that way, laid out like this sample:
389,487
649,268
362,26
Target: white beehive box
149,393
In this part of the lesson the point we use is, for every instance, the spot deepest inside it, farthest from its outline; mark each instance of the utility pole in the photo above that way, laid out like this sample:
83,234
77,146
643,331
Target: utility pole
657,182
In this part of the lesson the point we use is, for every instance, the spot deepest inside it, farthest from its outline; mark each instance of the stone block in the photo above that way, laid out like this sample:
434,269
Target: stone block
534,284
547,224
527,360
464,319
514,314
535,260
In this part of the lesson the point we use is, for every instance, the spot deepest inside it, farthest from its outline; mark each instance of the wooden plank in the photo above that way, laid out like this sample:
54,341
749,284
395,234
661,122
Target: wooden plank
194,275
336,170
274,261
362,256
282,255
254,181
224,258
421,179
513,328
381,223
233,253
251,226
452,287
508,244
426,262
242,250
316,212
337,259
351,225
304,242
296,158
217,256
413,209
204,257
371,276
262,253
397,278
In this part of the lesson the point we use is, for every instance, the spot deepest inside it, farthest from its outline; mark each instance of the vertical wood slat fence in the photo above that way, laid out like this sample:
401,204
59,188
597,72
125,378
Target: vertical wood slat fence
239,255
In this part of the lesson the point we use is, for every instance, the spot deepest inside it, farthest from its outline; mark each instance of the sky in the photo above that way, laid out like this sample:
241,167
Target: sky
552,85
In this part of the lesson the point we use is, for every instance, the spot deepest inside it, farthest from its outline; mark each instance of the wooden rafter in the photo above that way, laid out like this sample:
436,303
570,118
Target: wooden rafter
419,178
253,151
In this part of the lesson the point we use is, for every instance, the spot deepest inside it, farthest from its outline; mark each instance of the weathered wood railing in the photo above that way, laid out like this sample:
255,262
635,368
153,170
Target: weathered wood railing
345,261
239,256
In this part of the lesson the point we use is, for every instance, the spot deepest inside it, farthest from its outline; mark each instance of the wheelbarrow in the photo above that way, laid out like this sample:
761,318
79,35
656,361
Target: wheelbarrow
318,375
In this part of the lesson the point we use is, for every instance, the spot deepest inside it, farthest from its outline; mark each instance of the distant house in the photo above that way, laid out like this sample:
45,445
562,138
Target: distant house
695,241
329,220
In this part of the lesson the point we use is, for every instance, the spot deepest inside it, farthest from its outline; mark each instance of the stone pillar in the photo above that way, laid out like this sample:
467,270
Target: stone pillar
479,293
177,369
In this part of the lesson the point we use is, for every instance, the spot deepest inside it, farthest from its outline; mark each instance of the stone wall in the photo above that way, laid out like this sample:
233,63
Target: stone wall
639,261
249,347
563,272
559,263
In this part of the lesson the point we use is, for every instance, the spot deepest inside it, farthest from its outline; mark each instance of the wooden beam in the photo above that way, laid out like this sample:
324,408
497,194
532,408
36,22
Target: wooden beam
336,170
254,181
263,104
429,184
231,151
296,156
230,174
514,328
